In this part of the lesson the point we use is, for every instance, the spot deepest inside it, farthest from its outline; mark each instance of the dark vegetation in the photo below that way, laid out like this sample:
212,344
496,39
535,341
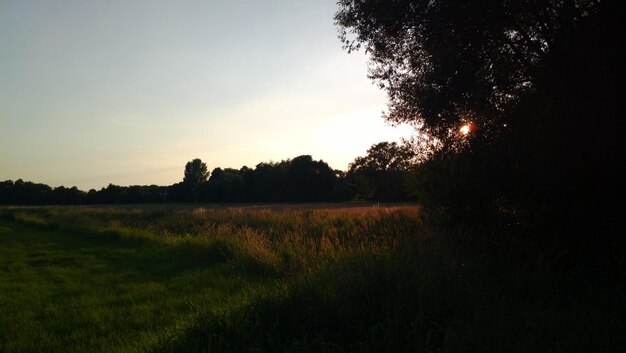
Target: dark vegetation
378,176
539,82
518,245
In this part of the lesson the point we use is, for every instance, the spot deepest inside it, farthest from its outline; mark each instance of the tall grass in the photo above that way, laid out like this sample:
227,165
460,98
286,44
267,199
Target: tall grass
284,241
363,279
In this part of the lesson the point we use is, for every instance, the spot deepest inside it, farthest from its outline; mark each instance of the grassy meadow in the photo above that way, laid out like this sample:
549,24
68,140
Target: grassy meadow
323,278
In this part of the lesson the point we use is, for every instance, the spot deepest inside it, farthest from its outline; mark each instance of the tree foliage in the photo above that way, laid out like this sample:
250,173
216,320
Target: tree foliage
196,172
539,81
381,174
384,156
301,179
446,61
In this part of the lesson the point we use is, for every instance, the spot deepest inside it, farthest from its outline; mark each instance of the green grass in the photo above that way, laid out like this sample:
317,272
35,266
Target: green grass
62,292
283,279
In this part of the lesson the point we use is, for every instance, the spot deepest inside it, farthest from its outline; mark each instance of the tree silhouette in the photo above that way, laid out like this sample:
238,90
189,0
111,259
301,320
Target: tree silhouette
196,172
308,180
443,62
380,174
384,156
539,81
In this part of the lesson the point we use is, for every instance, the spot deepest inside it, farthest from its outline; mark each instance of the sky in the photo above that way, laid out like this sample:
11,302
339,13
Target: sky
126,92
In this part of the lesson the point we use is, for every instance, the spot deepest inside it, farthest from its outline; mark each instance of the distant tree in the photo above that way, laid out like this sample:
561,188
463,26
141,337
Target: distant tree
91,197
381,173
267,182
308,180
67,196
110,194
225,185
344,191
196,172
384,156
141,194
29,193
24,192
177,192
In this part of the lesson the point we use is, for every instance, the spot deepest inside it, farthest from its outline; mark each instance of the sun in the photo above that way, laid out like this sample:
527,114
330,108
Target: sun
465,129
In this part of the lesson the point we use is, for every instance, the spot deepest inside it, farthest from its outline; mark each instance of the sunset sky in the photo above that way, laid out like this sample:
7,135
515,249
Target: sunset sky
126,92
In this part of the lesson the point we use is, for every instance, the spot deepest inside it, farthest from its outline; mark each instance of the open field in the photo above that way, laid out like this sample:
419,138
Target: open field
65,293
282,278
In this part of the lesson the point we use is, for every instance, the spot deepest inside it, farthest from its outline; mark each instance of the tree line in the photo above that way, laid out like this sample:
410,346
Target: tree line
380,175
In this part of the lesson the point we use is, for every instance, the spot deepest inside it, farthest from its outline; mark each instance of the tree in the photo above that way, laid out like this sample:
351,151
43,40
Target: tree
308,180
225,185
381,173
196,172
445,61
384,156
538,79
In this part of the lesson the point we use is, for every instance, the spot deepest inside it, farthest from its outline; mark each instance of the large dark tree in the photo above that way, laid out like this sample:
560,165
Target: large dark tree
445,61
539,80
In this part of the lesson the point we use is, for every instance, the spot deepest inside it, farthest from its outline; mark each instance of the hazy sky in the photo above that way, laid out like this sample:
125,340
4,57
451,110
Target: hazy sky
126,92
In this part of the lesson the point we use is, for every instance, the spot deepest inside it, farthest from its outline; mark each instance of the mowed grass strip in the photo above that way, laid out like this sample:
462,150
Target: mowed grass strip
62,292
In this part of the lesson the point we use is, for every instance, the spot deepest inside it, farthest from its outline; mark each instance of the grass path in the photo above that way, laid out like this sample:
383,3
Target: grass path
62,292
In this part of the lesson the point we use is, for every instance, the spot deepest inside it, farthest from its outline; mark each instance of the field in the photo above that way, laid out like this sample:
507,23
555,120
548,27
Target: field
282,278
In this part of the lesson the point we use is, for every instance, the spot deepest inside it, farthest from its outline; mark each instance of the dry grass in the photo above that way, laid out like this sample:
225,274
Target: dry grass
274,239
